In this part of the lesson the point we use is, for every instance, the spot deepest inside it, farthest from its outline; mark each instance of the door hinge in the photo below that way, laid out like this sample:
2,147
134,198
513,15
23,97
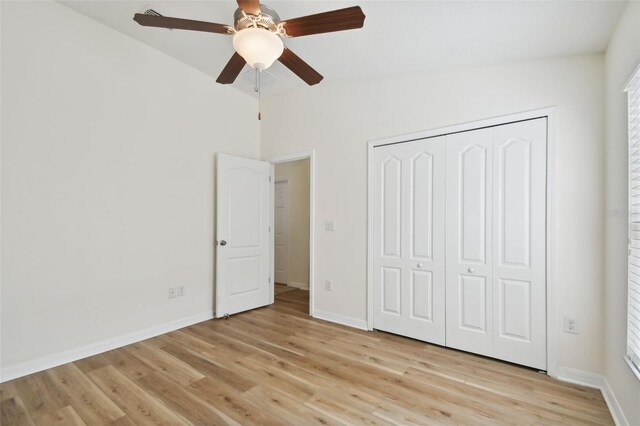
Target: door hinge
269,178
269,280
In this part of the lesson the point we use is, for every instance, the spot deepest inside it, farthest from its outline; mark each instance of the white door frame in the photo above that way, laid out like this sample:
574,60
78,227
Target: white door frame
307,155
550,114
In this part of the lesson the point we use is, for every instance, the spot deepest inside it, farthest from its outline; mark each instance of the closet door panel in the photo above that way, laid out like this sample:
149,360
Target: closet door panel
391,207
421,220
409,280
469,296
388,216
472,208
425,238
519,152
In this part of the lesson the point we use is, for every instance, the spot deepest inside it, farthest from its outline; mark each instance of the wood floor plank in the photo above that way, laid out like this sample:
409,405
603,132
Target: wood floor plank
276,365
38,393
66,416
232,403
91,404
14,412
210,369
130,366
181,402
138,404
170,367
343,412
291,412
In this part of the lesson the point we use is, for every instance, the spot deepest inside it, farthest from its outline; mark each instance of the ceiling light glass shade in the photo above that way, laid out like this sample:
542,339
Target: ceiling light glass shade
259,47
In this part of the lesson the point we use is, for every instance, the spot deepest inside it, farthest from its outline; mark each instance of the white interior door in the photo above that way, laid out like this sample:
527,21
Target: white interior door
519,242
469,253
409,203
243,249
282,232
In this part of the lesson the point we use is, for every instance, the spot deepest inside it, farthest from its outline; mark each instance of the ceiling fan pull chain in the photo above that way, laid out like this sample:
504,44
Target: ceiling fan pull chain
257,89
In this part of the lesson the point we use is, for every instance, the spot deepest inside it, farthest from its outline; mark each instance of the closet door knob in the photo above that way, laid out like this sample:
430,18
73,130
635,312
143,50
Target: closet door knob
420,265
471,270
223,243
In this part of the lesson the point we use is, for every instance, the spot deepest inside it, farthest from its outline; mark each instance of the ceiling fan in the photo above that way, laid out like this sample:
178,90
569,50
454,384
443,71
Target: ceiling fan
258,32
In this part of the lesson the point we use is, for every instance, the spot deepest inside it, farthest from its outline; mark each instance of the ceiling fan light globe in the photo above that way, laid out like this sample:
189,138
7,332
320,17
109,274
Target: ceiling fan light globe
259,47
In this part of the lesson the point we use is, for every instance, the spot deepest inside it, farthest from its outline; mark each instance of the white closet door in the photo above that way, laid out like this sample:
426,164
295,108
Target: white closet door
519,242
408,241
469,234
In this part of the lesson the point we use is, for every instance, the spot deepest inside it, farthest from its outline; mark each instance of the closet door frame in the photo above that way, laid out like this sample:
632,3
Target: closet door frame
550,114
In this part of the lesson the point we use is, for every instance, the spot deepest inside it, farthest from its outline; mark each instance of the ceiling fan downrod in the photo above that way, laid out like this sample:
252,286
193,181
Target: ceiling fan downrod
257,89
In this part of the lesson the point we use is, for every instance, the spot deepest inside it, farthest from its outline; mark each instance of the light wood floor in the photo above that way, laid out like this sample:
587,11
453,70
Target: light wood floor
276,365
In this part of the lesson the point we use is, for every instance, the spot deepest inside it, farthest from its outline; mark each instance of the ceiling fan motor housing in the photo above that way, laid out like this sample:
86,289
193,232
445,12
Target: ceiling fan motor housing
268,19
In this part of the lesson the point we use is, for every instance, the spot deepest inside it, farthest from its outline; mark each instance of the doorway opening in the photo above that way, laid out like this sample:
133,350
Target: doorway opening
292,237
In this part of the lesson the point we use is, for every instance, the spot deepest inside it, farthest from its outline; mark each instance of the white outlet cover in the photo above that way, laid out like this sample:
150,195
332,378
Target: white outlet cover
330,225
570,325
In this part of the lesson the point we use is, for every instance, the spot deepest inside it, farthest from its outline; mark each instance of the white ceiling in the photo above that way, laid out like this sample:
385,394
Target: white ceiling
398,37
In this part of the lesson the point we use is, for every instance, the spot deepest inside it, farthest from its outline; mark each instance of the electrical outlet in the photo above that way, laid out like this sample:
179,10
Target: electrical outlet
570,325
180,290
172,292
327,285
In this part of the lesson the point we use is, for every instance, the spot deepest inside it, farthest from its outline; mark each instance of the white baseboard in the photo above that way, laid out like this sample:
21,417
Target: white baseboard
597,381
303,286
25,368
340,319
612,403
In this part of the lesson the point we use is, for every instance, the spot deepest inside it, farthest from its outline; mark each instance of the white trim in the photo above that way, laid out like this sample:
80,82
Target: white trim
550,113
596,381
472,125
552,338
580,377
630,78
272,235
612,403
18,370
312,213
632,366
370,147
340,319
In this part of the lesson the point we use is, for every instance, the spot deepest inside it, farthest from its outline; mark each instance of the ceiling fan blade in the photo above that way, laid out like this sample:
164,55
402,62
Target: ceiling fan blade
300,67
336,20
250,6
232,69
179,24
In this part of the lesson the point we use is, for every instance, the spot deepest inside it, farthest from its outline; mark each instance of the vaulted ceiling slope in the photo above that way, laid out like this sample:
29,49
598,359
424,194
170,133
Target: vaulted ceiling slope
398,37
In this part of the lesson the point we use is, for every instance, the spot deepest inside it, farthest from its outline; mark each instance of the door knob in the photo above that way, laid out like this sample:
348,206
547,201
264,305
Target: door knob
223,243
471,270
420,265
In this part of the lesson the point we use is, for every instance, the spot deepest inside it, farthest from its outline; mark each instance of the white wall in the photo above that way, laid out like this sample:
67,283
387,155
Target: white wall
623,56
107,181
337,120
297,174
